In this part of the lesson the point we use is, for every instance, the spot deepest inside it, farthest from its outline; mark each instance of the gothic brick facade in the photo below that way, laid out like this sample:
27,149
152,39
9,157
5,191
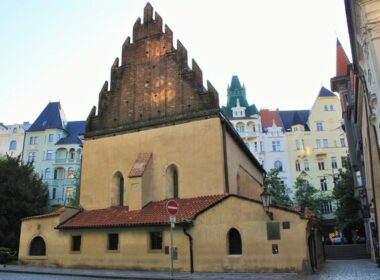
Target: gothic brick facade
153,85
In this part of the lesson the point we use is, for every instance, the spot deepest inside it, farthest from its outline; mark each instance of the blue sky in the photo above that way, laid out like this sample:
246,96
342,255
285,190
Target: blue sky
63,50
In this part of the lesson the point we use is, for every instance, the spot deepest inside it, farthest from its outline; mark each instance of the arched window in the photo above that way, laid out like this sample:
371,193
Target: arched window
234,242
278,165
47,173
172,182
70,173
13,145
37,247
79,155
298,166
117,189
240,127
121,191
72,154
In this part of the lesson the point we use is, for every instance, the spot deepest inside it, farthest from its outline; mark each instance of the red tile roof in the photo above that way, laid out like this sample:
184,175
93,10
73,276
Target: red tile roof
55,212
267,118
342,61
307,213
140,164
152,214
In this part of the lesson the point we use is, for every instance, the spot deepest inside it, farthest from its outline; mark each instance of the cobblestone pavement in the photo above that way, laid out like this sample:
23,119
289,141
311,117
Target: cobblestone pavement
332,270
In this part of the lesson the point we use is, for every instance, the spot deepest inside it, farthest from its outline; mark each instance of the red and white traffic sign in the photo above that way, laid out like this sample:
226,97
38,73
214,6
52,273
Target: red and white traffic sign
172,207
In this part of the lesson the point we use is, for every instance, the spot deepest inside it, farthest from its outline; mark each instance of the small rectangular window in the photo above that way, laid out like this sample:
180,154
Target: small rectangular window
49,155
318,143
334,163
319,126
75,243
113,241
285,225
51,138
325,143
156,240
342,142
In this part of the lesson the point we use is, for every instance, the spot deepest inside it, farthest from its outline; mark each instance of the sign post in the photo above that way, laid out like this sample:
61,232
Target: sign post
172,208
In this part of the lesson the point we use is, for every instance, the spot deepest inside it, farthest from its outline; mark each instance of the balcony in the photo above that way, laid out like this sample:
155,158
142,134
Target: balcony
60,182
67,160
248,134
59,201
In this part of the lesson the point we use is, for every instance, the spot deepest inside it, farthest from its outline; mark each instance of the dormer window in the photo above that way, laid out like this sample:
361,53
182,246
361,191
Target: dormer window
238,111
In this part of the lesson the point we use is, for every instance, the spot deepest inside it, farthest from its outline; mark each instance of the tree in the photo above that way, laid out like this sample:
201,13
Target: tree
280,195
307,196
74,202
22,194
347,212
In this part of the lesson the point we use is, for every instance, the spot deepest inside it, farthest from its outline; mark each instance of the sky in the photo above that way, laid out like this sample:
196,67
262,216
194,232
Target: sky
50,50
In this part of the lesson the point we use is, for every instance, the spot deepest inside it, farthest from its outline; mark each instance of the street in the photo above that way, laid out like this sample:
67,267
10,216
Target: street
363,269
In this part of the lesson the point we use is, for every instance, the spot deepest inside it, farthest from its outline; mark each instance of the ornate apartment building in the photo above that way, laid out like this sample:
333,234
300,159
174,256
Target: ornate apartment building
54,145
12,138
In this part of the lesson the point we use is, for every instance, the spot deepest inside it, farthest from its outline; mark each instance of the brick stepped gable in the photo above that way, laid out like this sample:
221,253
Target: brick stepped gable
153,85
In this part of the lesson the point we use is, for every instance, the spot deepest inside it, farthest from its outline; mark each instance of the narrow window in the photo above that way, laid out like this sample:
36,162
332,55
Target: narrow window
319,126
334,163
113,241
342,142
121,191
72,154
13,145
278,165
234,242
325,143
30,140
49,155
318,143
156,240
175,184
47,173
14,130
35,140
331,108
321,165
31,156
51,138
54,193
306,164
298,166
75,243
323,185
298,145
326,108
37,247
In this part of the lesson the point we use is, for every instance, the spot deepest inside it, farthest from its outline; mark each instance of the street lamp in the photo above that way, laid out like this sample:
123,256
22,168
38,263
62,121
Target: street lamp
266,199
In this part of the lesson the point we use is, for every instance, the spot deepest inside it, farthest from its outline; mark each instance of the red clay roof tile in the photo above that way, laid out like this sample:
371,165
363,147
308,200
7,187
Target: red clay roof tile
152,214
55,212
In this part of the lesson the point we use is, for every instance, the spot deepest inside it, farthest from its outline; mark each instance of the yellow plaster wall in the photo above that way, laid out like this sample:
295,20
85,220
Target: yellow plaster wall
210,239
133,253
250,177
209,233
195,147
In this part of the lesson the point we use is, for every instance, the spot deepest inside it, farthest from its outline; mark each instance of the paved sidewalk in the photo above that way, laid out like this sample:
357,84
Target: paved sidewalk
333,269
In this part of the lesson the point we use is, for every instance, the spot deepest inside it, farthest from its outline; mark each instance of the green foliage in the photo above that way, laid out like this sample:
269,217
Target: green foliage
22,194
307,196
280,195
347,213
75,200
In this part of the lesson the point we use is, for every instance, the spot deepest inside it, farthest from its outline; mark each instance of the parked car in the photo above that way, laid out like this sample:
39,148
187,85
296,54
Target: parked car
360,239
337,240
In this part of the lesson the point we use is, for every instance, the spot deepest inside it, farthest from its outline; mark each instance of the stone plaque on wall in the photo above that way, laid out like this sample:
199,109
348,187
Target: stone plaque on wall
273,231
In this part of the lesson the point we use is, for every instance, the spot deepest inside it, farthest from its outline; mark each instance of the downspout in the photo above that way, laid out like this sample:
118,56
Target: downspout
225,157
188,223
